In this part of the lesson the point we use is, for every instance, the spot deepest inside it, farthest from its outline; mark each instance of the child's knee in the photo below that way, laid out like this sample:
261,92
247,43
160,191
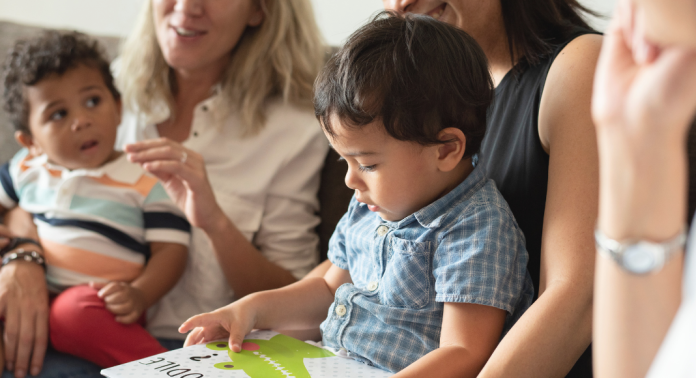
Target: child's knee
73,311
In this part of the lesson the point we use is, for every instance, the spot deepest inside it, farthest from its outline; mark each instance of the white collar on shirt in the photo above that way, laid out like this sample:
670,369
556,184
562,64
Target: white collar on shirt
120,169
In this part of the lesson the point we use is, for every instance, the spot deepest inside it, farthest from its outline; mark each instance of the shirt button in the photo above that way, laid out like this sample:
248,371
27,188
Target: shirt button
373,286
382,230
195,133
205,108
340,310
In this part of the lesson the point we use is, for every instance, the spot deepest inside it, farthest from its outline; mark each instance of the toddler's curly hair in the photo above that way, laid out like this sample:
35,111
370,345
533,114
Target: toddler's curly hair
52,53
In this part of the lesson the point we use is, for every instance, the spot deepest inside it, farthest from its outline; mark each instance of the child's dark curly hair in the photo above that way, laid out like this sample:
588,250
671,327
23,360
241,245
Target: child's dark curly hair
415,74
30,61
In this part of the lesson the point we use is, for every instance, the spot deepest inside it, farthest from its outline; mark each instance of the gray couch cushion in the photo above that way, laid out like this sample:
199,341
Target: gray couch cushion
9,34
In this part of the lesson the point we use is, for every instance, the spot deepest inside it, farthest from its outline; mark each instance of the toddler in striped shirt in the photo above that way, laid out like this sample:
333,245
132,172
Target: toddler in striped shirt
112,240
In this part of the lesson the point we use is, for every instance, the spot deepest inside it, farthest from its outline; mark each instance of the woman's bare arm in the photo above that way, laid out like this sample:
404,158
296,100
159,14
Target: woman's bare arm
23,304
642,111
548,339
186,181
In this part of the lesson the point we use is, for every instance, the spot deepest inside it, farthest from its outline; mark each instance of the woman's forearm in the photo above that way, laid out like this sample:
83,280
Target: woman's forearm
246,269
643,196
166,265
549,338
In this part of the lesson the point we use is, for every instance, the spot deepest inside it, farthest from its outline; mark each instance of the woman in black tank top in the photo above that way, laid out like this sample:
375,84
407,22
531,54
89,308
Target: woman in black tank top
540,149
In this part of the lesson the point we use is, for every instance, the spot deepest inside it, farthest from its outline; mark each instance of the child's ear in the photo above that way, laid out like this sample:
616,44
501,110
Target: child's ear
119,109
450,152
25,139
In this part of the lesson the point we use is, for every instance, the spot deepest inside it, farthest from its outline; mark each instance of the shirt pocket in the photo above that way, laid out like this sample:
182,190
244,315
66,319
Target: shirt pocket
406,281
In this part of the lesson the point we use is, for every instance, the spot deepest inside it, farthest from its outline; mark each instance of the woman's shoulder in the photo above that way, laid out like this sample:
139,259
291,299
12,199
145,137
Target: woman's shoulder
291,124
568,85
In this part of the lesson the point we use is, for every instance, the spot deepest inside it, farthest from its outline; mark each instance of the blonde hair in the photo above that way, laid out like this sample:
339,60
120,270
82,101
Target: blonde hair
279,58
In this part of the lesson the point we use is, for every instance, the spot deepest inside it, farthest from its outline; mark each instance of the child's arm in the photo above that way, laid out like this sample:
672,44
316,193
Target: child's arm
301,305
129,301
470,333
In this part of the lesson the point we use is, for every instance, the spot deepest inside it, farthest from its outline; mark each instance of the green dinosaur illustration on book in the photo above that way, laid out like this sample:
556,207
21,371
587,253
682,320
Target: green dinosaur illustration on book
281,356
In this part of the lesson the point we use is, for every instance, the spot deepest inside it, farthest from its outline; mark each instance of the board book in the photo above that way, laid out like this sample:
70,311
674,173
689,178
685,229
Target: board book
265,354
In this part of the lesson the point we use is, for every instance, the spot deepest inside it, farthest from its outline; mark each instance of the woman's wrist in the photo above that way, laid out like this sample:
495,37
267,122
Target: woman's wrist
218,223
642,193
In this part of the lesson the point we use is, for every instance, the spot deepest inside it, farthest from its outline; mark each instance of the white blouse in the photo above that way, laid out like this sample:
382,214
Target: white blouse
266,184
677,355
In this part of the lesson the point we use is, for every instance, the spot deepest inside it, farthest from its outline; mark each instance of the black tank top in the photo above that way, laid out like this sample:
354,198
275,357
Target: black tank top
511,154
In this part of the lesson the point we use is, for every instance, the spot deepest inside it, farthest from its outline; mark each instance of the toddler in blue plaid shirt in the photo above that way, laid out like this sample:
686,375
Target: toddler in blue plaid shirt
428,266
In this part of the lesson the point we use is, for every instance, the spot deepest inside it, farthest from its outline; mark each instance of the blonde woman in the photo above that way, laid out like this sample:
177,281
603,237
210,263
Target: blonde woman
218,106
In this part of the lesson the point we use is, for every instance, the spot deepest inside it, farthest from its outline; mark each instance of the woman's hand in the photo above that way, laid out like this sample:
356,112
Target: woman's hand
233,321
182,171
24,305
643,103
122,300
638,87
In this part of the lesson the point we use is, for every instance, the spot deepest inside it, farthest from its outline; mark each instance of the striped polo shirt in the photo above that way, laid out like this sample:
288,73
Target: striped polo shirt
94,224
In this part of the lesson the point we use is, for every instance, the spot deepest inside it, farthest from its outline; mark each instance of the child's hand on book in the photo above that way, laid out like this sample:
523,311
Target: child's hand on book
122,300
233,321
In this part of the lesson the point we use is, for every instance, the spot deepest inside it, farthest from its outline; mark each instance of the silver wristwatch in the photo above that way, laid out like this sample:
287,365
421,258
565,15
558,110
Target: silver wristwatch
639,256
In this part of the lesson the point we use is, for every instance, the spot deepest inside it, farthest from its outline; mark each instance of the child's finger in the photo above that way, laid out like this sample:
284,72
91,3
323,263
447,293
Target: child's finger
97,285
120,309
110,288
129,318
236,339
118,297
201,320
195,337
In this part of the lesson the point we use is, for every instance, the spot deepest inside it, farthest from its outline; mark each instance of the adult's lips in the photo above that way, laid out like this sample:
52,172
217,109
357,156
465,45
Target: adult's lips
186,32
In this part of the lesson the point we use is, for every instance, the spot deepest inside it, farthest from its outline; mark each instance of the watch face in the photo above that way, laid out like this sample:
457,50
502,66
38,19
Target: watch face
641,258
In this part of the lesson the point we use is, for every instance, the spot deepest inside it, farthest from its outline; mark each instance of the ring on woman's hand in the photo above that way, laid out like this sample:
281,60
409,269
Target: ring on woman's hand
184,156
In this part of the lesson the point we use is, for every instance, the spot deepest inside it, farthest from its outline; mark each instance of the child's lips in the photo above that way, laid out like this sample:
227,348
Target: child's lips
373,208
89,145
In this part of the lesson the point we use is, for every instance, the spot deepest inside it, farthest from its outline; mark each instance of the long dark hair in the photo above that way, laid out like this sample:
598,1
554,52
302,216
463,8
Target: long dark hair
534,27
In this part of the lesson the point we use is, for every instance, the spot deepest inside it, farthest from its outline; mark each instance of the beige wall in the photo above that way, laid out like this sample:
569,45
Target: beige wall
336,18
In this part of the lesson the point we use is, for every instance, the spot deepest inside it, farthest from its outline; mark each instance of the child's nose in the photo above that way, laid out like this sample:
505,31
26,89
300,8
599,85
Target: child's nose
353,180
81,121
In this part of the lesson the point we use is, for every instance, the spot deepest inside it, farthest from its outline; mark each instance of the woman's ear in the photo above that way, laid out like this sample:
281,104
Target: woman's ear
25,139
257,15
451,151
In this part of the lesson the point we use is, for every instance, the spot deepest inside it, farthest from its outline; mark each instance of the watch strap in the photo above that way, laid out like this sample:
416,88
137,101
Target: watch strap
615,249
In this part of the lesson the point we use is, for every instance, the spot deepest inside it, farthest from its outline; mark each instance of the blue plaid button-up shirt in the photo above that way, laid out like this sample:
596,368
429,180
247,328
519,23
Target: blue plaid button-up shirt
465,247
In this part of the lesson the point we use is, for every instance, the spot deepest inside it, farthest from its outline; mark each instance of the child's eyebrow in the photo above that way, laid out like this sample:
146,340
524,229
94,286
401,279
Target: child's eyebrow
50,105
353,154
89,88
360,153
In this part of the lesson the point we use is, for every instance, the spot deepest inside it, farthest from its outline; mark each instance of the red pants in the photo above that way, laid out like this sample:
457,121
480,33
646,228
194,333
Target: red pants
81,325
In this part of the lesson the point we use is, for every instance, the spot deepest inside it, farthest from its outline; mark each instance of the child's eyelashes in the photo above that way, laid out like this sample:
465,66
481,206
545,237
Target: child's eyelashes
93,101
58,115
362,168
